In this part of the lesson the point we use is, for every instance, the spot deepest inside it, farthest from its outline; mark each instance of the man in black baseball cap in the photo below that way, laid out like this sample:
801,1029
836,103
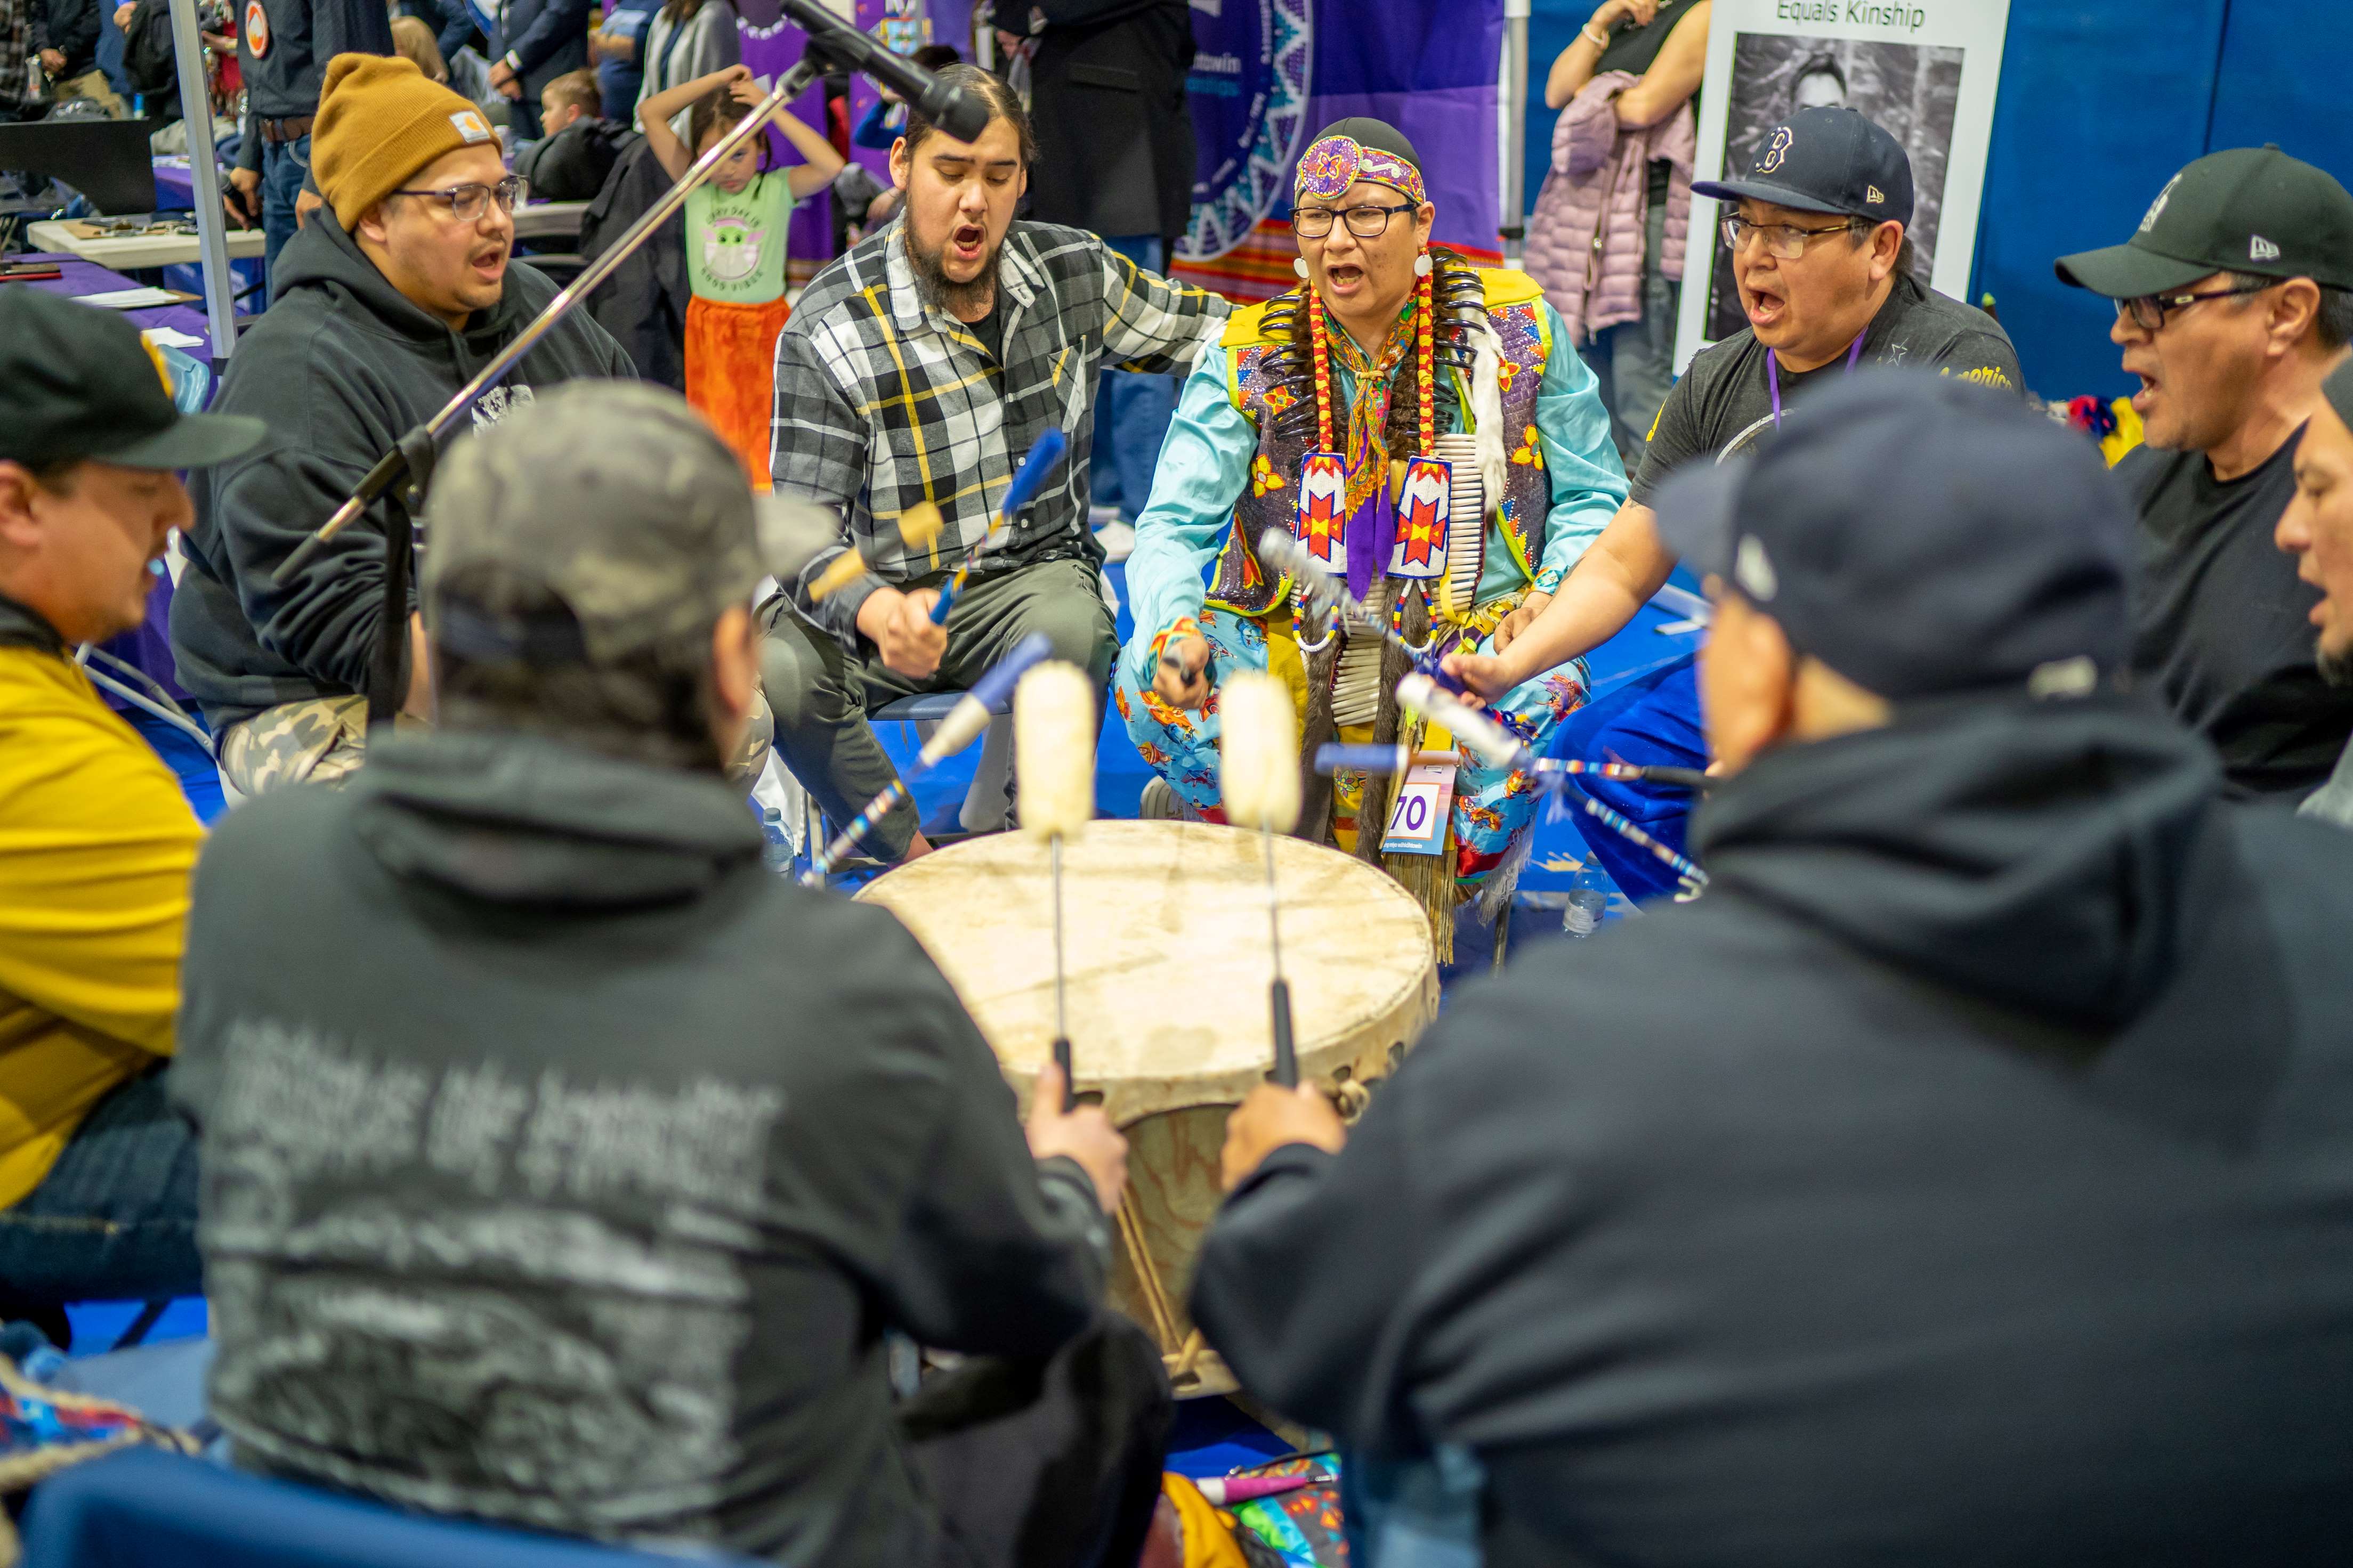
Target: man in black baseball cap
98,1193
2234,298
1934,1187
78,383
1818,230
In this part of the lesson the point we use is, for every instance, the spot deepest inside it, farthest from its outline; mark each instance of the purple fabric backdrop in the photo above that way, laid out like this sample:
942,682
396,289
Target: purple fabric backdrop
772,47
1429,68
1270,76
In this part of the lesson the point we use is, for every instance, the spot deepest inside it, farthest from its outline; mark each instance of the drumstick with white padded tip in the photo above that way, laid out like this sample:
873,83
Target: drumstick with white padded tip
1054,732
961,726
1258,779
1499,748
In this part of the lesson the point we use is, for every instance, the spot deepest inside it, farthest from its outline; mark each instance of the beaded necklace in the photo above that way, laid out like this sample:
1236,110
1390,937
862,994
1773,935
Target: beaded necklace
1425,376
1425,369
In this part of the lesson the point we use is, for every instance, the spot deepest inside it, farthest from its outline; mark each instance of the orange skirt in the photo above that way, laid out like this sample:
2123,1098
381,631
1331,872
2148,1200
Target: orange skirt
730,374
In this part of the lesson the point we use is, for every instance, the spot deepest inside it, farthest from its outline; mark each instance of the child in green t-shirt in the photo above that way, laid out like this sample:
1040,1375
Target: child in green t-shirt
735,226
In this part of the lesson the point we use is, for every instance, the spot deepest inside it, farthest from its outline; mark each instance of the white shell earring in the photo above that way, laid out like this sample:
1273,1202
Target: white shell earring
1299,265
1421,264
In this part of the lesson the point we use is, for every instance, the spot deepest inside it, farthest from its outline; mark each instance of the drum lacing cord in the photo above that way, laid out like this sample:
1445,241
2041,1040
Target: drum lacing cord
1147,1277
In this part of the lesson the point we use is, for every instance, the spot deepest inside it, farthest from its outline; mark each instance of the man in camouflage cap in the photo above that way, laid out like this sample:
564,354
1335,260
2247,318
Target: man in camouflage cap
586,1159
640,543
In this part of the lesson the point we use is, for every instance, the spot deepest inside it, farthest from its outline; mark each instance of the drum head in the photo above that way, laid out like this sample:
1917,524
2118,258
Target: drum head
1168,962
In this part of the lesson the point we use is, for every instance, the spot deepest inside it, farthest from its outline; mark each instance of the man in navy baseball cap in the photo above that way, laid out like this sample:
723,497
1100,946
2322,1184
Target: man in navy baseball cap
1818,235
1934,1187
1830,160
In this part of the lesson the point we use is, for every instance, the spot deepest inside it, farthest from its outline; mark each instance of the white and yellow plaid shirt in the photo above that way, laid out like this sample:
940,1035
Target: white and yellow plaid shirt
882,403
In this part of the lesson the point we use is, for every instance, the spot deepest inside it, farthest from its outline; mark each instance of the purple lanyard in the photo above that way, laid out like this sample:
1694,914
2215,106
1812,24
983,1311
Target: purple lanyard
1773,372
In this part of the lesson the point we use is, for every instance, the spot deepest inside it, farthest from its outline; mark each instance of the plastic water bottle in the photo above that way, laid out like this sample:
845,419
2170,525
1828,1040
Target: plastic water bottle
777,853
1588,895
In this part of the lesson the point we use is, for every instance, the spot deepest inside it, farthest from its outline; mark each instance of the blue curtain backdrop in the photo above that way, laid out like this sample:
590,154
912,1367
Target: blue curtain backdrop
2100,104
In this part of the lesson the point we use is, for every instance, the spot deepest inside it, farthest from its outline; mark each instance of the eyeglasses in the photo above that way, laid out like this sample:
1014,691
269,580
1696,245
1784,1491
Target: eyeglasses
1786,240
1365,222
466,202
2148,310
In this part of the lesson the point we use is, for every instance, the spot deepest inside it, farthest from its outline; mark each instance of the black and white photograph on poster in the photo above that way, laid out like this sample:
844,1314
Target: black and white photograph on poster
1928,71
1913,90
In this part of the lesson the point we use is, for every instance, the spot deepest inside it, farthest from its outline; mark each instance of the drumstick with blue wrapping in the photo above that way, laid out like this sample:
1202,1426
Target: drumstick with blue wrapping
1285,555
1499,748
1054,730
963,725
1258,780
1028,480
1339,757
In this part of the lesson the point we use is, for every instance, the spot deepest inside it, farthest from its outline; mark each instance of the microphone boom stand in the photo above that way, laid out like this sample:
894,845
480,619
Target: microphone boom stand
410,458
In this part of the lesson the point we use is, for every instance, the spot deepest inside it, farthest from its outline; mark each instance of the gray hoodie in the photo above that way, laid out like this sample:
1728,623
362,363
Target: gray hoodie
563,1167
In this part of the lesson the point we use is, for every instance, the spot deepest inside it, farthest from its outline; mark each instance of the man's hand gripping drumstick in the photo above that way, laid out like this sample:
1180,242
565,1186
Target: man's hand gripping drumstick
1081,1132
908,629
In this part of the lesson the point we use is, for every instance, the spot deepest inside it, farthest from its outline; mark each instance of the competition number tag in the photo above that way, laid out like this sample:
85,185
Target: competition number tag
1425,507
1418,816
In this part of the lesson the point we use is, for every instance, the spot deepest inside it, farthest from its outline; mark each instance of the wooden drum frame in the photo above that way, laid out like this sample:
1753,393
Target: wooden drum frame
1166,945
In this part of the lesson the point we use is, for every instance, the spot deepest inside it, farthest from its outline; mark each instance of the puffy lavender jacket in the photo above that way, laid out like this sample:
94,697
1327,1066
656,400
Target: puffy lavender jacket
1586,239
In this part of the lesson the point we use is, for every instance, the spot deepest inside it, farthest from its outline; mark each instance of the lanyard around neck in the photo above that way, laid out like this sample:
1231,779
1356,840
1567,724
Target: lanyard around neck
1773,372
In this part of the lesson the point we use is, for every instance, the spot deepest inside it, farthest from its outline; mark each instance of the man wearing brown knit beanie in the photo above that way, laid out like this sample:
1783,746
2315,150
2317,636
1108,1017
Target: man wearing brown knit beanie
387,301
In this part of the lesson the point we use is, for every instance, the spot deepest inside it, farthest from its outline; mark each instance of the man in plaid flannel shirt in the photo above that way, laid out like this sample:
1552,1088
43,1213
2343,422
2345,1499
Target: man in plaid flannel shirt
920,366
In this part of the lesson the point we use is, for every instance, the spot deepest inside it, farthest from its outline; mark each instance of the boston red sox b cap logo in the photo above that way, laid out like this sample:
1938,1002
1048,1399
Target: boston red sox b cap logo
1776,152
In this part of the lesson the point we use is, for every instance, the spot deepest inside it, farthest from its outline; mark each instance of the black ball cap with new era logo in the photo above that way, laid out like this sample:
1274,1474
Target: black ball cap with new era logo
1826,161
78,381
2247,209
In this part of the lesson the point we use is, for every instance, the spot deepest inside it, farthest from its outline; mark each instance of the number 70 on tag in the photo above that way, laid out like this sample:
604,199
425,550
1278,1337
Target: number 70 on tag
1417,815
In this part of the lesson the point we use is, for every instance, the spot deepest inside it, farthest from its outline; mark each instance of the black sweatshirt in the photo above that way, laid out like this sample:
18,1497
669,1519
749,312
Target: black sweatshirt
341,367
1963,1180
70,27
564,1166
2224,628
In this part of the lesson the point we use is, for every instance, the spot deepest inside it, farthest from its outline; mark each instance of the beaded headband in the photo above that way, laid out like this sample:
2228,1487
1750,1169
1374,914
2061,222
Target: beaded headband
1329,167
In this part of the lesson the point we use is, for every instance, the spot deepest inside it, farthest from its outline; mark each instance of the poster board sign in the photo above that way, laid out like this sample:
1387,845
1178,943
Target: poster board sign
1924,69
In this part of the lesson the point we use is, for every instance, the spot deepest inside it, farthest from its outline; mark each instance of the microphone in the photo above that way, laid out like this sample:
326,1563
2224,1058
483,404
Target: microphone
961,114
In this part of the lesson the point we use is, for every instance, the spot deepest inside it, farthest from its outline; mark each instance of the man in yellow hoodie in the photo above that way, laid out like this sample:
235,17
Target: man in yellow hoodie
98,1191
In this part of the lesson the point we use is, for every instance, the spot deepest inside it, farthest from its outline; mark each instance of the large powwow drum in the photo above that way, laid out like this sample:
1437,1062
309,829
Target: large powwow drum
1166,974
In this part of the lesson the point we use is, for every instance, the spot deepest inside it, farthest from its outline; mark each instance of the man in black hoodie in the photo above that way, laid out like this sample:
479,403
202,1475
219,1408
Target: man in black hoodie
1960,1180
565,1168
390,299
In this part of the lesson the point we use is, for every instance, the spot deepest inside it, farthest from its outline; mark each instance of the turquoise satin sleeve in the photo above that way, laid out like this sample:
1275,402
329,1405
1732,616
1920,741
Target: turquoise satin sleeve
1589,482
1205,461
